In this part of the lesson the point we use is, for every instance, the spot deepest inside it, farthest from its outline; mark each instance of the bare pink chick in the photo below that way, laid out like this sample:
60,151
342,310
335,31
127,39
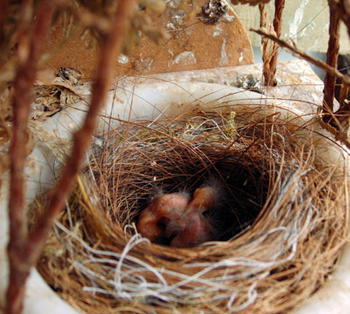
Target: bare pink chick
154,219
193,227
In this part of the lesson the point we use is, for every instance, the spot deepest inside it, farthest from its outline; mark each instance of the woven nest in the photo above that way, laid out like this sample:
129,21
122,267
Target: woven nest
280,228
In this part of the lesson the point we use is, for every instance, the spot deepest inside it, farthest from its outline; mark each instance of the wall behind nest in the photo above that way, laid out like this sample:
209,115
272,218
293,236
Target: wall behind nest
304,21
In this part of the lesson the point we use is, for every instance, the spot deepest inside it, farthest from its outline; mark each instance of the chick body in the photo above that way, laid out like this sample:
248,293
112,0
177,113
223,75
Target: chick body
180,221
165,209
193,227
194,231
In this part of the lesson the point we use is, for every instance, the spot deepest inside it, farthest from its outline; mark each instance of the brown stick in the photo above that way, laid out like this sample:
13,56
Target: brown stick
28,56
3,14
303,55
270,56
265,45
111,46
277,25
332,60
342,7
24,256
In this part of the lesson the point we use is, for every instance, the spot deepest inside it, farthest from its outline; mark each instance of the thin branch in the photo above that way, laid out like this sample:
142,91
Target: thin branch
111,46
332,60
28,54
270,56
24,251
263,20
4,4
266,56
297,52
342,7
277,26
277,21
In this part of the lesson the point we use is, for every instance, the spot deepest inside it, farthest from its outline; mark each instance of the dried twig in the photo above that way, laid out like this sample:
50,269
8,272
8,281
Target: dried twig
332,60
270,56
110,47
277,26
277,21
266,56
3,11
297,52
263,23
338,132
342,7
28,53
24,250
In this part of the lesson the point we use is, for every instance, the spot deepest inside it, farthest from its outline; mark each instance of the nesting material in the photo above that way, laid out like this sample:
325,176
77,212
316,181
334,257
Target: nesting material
279,227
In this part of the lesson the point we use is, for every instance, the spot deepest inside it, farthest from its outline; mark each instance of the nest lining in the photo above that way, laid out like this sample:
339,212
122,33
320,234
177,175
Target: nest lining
282,221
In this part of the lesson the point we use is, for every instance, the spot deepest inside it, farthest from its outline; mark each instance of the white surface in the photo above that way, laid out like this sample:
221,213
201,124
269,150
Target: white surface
39,297
149,101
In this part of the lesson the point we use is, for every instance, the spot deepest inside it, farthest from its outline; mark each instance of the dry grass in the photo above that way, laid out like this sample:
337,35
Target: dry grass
281,226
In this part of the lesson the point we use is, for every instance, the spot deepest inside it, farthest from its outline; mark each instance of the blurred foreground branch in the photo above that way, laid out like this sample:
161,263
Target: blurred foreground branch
111,46
3,12
24,249
29,51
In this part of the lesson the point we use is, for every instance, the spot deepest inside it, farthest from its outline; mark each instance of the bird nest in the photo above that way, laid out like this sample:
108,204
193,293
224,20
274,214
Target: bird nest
280,225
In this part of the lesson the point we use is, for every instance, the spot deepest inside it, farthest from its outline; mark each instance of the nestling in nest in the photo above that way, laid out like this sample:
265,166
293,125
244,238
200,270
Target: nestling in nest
177,219
274,232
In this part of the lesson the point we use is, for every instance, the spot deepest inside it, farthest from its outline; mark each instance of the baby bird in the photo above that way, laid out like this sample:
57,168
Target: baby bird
204,198
193,227
155,218
193,231
173,218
